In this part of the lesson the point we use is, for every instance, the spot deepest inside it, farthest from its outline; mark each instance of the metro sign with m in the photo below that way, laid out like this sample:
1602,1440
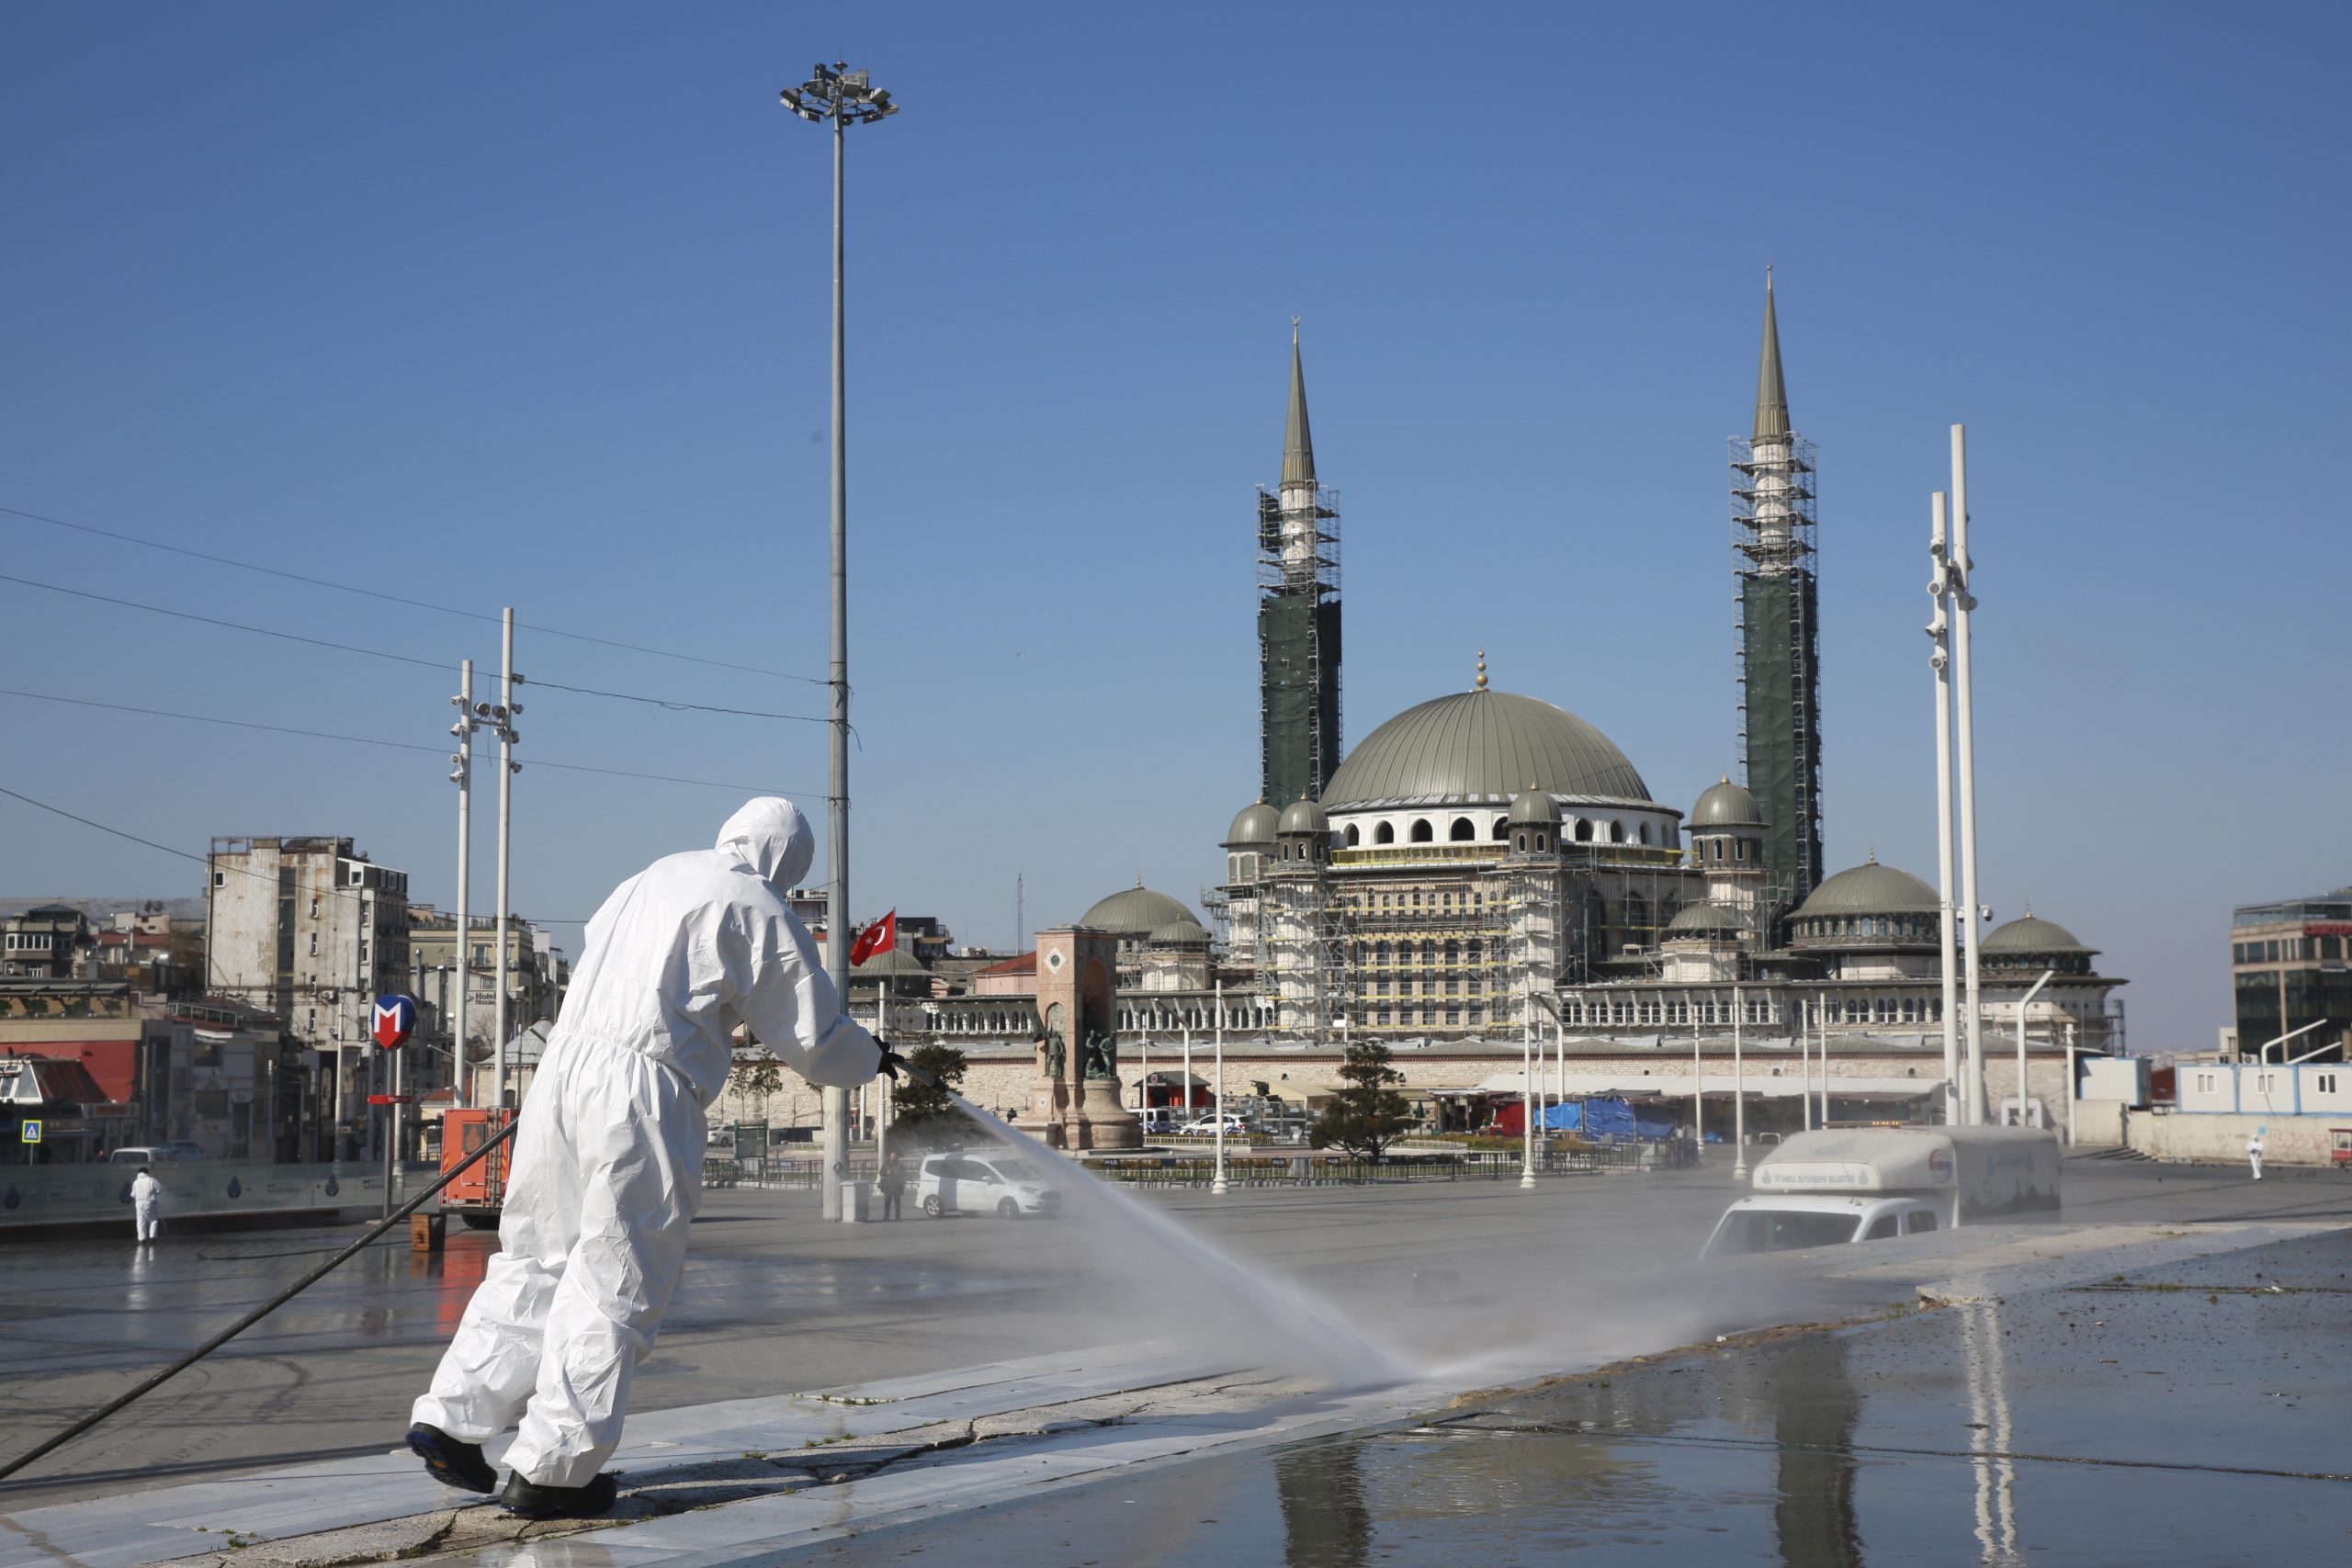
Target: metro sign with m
395,1020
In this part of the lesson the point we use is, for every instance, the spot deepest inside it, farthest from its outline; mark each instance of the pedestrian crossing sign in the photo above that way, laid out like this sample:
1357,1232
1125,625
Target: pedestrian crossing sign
32,1132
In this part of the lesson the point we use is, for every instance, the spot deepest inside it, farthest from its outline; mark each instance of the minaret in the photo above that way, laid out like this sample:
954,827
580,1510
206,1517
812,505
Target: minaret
1298,616
1780,651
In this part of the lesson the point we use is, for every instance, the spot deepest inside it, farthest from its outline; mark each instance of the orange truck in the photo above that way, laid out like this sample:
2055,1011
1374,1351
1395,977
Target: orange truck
479,1195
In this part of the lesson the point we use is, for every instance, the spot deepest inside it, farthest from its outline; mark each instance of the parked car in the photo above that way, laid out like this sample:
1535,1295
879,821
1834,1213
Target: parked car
982,1184
1157,1122
156,1153
1235,1126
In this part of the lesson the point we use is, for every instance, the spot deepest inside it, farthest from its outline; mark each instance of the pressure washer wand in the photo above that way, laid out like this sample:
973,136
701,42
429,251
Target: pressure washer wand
271,1305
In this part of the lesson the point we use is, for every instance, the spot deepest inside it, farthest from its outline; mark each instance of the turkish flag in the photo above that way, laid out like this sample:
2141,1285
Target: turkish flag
880,937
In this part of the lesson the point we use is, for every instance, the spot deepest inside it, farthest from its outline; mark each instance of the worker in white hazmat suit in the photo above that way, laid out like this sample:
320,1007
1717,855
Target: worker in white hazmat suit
146,1204
607,1164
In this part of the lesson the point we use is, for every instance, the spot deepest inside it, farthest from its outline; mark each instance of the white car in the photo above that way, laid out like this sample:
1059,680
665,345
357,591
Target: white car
1235,1126
982,1184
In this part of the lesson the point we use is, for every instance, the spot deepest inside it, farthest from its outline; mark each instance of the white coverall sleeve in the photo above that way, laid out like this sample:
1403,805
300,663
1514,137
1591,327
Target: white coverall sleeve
777,985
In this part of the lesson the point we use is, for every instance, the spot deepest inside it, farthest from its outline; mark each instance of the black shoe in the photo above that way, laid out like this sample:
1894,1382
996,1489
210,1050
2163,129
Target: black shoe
450,1461
536,1502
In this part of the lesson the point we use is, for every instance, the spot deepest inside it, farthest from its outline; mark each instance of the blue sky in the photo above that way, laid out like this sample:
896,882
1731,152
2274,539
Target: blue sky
526,305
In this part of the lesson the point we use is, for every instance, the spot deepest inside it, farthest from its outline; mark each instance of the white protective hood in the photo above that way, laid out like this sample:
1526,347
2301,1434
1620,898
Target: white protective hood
772,837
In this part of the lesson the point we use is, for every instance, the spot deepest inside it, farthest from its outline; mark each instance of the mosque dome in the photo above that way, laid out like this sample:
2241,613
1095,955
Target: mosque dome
1870,889
1135,911
2030,934
1180,933
1702,920
1255,826
1304,817
1482,747
1726,805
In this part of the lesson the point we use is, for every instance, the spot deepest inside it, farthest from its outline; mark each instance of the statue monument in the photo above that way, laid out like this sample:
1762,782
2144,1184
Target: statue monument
1075,1102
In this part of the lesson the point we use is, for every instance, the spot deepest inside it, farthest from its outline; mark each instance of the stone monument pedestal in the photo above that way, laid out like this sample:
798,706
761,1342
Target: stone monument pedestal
1078,1024
1099,1121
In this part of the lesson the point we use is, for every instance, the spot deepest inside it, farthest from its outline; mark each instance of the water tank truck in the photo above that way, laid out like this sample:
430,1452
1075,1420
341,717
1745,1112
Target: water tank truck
1829,1188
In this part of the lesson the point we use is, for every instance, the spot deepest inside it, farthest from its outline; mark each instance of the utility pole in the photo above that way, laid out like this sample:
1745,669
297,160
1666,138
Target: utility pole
1738,1085
842,97
1939,660
462,775
505,712
1964,602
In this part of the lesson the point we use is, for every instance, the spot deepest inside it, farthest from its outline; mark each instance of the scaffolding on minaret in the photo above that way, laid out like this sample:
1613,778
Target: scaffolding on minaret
1299,617
1778,659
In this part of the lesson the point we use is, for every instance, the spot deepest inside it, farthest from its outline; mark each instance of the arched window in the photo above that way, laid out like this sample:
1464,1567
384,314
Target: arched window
1385,834
1645,832
1543,841
1584,831
1616,833
1522,843
1501,830
1354,835
1422,832
1462,832
1637,911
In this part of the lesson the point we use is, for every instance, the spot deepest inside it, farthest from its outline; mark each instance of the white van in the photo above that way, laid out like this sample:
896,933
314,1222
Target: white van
982,1184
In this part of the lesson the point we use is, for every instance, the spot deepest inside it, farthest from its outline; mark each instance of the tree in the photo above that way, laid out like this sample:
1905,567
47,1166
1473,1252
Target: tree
1367,1114
924,1113
755,1077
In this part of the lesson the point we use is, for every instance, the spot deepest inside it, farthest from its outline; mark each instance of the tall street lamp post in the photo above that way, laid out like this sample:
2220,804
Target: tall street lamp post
837,95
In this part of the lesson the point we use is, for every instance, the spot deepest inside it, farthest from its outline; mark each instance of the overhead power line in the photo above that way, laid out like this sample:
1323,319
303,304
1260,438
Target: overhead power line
400,599
392,745
672,703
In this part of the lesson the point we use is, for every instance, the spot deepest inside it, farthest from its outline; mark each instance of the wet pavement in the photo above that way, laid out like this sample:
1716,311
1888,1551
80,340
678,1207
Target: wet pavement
775,1301
2194,1412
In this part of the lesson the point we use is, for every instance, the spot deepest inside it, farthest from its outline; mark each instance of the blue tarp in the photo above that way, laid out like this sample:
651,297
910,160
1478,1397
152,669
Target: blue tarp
1610,1119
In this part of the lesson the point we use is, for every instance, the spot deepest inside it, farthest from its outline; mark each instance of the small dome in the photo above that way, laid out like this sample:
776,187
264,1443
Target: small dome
1870,889
1306,816
1535,805
1726,805
896,963
1134,911
1256,824
1700,920
2030,934
1179,933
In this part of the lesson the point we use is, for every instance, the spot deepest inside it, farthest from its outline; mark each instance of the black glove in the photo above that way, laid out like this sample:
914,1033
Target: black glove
892,1062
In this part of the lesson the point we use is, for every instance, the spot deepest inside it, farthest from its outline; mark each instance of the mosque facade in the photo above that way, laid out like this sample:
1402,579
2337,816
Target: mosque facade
1488,865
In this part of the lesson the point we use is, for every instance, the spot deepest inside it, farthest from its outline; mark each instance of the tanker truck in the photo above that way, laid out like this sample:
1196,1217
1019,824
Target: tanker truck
1829,1188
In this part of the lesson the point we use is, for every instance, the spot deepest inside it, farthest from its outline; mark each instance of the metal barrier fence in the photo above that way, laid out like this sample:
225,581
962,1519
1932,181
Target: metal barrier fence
1255,1169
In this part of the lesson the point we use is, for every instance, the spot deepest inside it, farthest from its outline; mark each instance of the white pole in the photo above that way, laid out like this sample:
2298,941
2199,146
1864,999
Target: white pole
1821,1024
2070,1086
1143,1079
1217,1184
1939,660
1698,1083
1738,1091
1964,602
506,826
1805,1065
1188,1076
1527,1087
464,729
2046,977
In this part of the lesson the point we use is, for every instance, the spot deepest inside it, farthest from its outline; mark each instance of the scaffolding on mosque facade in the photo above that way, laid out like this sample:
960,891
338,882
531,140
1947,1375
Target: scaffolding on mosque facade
1777,656
1298,643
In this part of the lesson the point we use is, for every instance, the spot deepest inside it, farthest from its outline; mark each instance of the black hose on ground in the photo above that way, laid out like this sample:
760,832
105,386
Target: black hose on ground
271,1305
